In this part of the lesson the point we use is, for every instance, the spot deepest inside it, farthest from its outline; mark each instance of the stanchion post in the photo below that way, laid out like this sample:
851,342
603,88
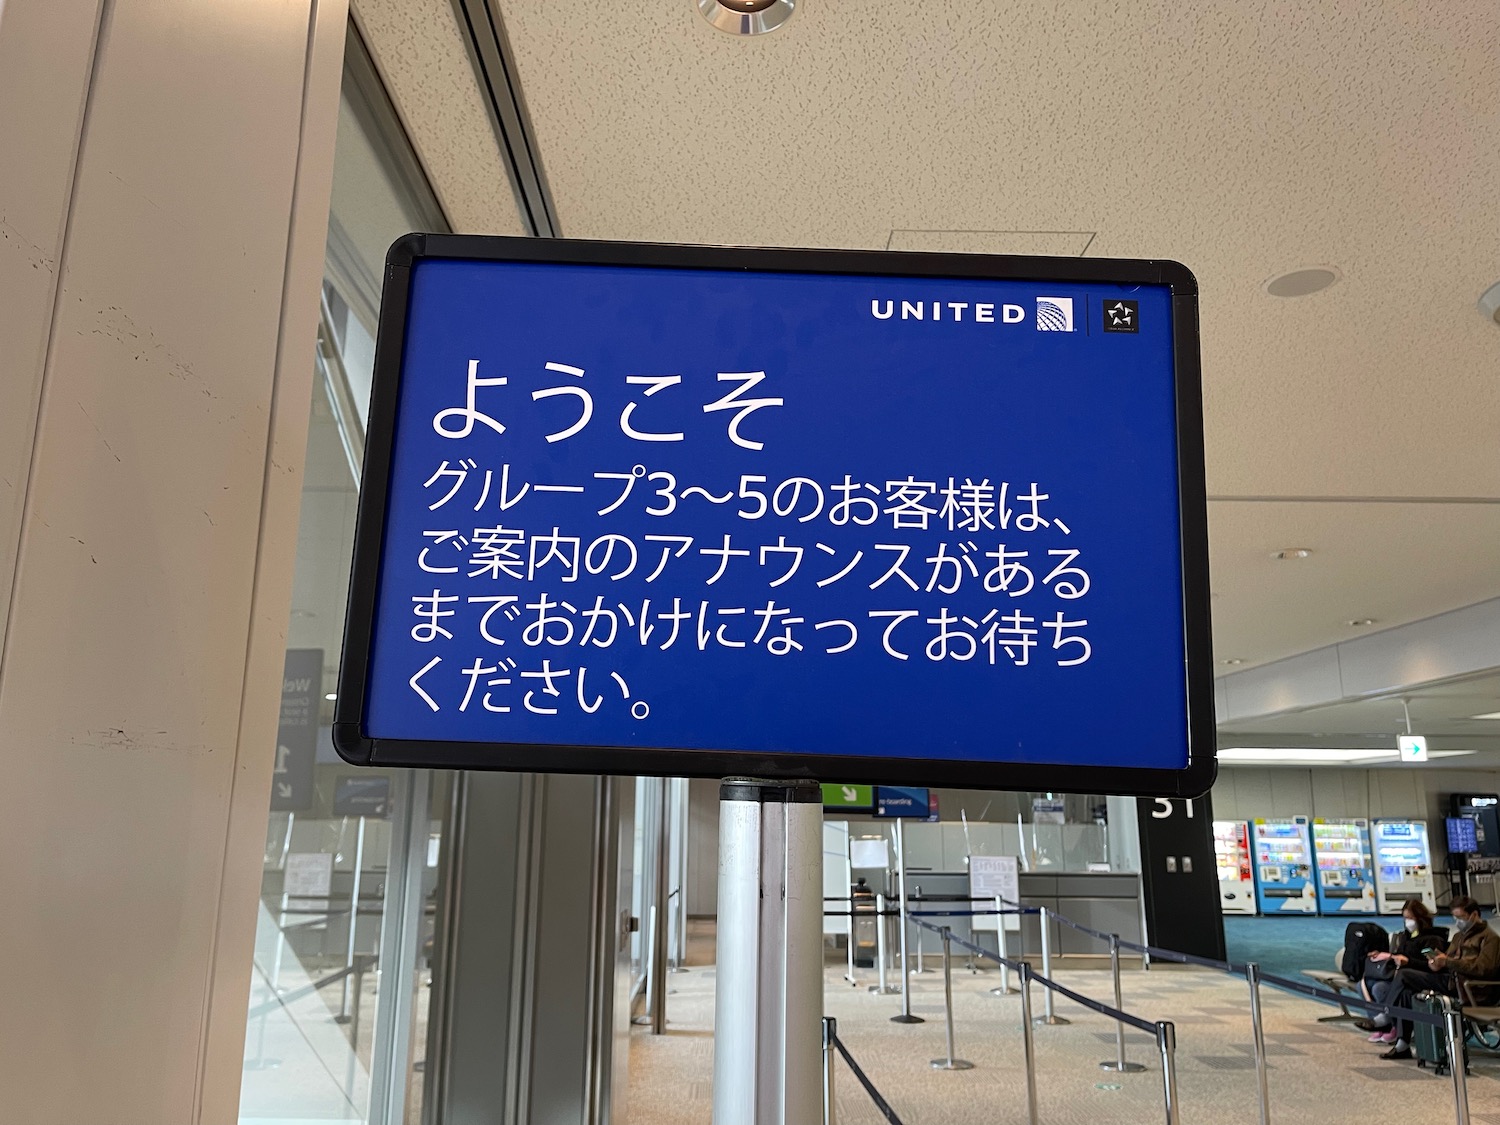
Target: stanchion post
830,1054
881,955
1453,1025
905,1016
849,945
949,1063
1028,1044
1049,1015
921,941
1000,944
1166,1043
359,863
1118,1063
1258,1037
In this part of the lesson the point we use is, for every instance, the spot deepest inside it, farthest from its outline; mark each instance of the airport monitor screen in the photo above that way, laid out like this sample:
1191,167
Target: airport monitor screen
1462,838
903,518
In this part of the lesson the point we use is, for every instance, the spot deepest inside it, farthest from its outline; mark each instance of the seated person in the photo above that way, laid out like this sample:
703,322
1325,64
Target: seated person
1474,953
1419,937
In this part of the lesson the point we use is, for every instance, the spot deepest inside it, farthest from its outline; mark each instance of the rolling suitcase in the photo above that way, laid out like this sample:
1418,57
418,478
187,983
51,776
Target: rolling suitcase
1428,1042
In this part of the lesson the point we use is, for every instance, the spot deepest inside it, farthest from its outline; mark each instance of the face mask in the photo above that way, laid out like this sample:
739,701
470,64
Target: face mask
1411,925
1460,925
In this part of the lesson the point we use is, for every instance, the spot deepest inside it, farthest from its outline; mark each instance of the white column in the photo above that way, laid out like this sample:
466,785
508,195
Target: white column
165,184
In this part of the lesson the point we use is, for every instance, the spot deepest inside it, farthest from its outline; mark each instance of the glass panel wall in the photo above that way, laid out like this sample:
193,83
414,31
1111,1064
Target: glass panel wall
337,1019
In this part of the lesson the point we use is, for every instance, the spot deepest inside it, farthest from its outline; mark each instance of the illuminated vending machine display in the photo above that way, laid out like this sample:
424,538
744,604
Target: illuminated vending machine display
1403,864
1284,882
1346,877
1236,867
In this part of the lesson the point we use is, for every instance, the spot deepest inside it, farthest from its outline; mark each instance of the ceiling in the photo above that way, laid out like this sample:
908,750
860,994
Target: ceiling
1243,139
1442,712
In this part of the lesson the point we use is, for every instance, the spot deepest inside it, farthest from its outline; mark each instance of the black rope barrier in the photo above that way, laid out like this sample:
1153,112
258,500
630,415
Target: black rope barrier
880,1102
1324,995
1078,998
281,1000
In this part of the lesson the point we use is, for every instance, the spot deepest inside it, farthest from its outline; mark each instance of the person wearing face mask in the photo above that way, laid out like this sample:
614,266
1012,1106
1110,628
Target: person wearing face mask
1418,937
1474,953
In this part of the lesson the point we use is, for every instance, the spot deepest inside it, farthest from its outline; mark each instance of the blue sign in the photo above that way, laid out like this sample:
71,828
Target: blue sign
658,509
900,800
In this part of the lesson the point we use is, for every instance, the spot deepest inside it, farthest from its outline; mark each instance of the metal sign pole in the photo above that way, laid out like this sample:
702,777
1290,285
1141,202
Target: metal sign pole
768,1004
905,1016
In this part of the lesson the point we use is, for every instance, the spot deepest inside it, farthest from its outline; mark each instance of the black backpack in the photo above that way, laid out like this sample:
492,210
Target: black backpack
1360,940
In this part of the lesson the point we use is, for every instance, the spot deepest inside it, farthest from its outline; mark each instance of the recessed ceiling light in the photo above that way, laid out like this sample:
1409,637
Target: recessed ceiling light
747,17
1292,553
330,695
1491,715
1361,622
1232,660
1300,283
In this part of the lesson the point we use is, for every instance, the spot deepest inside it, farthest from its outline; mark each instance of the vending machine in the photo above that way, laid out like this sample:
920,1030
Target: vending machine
1236,867
1284,882
1403,864
1346,876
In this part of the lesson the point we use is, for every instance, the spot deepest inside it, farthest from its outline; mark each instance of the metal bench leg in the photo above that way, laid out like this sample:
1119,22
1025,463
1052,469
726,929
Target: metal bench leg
1344,1015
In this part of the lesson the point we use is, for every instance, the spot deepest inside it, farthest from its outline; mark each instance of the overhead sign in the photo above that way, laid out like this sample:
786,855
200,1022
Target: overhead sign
695,511
1412,747
901,800
297,733
362,796
849,798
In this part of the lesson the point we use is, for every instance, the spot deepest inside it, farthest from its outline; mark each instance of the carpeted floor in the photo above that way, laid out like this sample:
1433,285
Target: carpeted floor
1286,945
1321,1074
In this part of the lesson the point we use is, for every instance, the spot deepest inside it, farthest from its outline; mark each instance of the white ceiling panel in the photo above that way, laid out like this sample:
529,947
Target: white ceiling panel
1392,563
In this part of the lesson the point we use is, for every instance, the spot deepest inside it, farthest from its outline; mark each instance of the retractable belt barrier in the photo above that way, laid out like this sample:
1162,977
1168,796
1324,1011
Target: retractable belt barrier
1450,1018
832,1043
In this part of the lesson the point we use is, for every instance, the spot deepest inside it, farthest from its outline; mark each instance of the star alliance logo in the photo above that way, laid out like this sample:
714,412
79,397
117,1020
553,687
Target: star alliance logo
1054,314
1122,316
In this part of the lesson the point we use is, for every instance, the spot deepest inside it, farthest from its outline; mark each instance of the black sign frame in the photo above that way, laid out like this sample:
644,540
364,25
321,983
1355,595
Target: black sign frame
354,747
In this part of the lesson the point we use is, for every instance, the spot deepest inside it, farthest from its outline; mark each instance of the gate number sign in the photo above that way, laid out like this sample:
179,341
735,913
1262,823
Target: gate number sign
935,519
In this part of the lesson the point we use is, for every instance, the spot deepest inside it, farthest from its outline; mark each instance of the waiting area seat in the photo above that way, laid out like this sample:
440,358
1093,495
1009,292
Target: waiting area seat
1483,1020
1335,982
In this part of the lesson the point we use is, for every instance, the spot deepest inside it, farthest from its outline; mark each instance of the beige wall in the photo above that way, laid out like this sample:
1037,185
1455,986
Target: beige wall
164,198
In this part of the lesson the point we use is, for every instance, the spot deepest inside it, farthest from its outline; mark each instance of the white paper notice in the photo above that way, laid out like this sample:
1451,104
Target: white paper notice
308,873
865,853
991,875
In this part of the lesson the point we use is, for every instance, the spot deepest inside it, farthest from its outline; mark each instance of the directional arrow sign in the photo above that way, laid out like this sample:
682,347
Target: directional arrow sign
849,798
1413,747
